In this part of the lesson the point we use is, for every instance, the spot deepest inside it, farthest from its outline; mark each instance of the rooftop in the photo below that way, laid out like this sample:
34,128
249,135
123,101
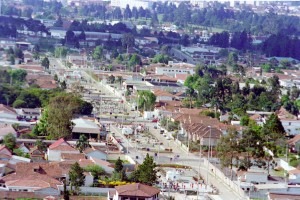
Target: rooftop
137,190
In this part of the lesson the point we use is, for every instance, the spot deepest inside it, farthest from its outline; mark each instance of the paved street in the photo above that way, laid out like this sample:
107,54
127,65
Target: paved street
185,158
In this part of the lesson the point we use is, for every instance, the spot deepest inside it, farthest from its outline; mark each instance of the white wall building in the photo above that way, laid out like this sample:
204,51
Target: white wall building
146,4
57,148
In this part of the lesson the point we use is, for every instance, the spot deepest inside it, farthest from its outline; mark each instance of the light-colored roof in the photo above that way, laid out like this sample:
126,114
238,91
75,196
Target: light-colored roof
137,190
85,126
270,186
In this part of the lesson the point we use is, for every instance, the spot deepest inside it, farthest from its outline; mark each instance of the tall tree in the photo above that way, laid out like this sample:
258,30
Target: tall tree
46,63
76,177
147,171
60,112
118,165
127,41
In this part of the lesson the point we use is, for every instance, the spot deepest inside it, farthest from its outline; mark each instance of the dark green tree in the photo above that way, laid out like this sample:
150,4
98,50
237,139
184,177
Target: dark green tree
118,165
147,171
46,63
76,177
82,143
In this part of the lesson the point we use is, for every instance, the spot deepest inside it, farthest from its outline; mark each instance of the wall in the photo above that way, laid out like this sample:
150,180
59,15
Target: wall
89,190
284,165
216,172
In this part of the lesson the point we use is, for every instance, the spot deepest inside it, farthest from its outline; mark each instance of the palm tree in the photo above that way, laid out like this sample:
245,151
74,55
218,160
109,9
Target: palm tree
82,143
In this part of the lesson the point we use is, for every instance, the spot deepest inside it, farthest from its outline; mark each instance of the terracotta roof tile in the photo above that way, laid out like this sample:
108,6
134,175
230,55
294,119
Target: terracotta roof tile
72,156
137,190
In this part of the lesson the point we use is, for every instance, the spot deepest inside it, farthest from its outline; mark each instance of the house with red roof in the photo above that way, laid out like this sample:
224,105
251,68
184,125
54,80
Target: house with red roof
134,191
56,149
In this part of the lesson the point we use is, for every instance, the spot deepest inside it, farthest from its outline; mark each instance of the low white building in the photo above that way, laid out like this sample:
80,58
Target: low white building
172,70
57,148
146,4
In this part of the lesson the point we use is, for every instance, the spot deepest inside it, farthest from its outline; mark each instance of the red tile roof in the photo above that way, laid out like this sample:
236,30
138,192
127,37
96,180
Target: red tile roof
137,190
61,145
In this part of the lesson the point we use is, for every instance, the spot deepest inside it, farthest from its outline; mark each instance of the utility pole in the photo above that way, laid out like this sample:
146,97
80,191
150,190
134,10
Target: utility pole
208,156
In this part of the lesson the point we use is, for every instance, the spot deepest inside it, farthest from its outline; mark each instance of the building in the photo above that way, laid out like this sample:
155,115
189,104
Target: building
146,4
283,196
37,155
95,153
134,191
28,113
163,95
86,127
173,70
57,148
7,112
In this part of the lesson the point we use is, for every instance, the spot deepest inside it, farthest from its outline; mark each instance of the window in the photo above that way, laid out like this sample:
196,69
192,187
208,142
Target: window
290,123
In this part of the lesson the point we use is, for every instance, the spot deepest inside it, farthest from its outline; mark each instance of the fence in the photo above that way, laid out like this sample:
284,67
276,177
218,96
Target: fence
219,174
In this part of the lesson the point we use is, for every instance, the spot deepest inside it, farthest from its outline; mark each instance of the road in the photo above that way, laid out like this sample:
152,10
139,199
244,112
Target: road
185,158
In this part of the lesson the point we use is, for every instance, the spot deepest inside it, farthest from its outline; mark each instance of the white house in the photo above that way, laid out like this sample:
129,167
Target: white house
134,191
174,70
60,146
253,177
163,95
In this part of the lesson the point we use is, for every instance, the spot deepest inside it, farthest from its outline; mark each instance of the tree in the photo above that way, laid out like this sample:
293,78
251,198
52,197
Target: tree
85,108
60,52
9,141
82,143
97,53
66,194
134,60
118,165
146,100
228,149
127,41
41,145
12,59
147,171
95,170
60,113
46,63
232,59
76,177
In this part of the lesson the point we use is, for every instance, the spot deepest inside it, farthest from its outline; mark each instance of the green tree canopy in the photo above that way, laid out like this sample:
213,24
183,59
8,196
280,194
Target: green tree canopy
76,177
9,141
